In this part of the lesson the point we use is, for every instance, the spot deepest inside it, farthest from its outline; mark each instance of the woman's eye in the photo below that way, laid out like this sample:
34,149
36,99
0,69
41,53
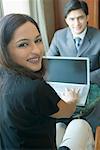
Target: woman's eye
38,40
23,45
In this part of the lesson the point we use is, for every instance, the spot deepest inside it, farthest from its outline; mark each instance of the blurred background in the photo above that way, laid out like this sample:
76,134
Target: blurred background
48,14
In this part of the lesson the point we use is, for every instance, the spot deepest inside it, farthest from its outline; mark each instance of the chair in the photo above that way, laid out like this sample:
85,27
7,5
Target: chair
97,138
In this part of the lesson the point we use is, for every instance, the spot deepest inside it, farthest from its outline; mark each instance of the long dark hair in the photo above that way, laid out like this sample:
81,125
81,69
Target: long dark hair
8,25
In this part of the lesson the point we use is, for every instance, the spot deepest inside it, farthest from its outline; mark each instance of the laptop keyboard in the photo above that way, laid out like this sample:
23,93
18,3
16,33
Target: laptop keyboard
83,91
78,88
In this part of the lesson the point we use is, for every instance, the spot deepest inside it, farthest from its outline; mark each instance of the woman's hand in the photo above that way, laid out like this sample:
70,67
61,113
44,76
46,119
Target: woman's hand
69,95
67,104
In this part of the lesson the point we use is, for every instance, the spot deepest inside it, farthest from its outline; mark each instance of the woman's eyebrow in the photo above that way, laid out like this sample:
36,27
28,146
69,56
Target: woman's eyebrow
25,39
38,36
21,40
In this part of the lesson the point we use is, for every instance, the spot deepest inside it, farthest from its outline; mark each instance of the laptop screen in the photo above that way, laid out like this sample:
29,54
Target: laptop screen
66,70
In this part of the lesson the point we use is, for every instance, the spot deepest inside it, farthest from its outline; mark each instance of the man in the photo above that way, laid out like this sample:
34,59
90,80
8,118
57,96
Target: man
78,39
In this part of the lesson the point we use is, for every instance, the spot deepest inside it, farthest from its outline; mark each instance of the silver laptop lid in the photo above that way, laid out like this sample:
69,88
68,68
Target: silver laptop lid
74,70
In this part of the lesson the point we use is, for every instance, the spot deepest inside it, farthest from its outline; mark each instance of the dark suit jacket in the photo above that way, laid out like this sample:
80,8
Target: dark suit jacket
63,44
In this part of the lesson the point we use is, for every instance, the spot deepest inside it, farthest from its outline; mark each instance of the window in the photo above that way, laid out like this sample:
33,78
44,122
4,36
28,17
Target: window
16,6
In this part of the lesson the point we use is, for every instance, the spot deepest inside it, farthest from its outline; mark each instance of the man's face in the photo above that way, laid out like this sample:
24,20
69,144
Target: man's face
77,21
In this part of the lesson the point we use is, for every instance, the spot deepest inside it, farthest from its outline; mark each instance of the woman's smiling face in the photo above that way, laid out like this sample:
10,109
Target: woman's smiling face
26,47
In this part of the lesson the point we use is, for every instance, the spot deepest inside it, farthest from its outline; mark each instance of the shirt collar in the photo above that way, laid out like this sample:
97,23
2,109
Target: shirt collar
81,35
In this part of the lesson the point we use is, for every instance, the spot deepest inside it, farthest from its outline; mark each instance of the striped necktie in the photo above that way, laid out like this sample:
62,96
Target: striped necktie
77,42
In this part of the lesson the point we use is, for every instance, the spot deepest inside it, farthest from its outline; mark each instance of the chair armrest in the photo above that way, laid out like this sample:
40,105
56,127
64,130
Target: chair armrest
97,138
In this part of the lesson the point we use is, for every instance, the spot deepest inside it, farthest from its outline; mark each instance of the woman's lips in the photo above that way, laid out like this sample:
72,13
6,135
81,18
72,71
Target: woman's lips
34,60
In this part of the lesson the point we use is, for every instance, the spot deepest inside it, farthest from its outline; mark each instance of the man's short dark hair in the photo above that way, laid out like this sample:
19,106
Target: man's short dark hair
75,4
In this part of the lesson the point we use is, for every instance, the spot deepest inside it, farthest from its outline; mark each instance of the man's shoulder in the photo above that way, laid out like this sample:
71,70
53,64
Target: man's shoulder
63,30
93,30
93,33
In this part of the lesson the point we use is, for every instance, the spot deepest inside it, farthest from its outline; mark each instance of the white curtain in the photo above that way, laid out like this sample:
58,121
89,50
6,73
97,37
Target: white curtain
1,9
37,12
16,6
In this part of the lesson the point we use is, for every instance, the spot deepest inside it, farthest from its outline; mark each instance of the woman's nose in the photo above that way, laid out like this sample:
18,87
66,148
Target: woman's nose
34,47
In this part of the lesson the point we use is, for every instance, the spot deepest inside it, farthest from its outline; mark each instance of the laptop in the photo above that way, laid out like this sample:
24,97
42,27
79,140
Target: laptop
68,72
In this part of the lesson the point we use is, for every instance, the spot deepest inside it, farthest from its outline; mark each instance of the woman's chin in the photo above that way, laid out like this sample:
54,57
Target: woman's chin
36,68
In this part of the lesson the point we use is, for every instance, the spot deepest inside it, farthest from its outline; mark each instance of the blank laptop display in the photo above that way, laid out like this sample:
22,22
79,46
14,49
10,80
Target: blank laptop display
68,72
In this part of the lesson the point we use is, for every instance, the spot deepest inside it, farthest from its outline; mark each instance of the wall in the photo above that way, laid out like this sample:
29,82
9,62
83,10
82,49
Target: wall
50,19
59,13
94,12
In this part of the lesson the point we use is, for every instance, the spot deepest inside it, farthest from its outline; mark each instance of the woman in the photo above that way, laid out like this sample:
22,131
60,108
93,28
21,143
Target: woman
28,105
